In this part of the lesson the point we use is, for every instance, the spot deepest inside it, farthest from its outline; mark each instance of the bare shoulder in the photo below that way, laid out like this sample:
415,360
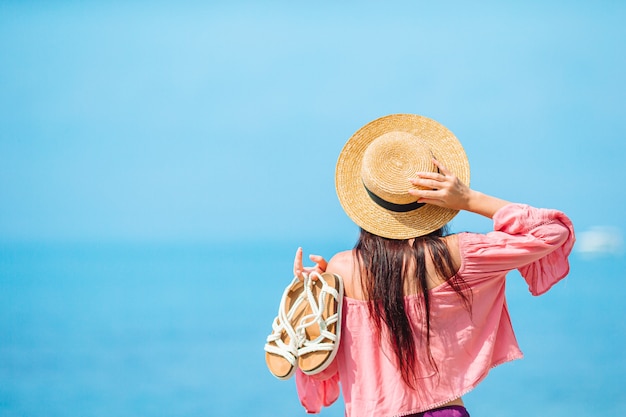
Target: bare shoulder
345,265
342,263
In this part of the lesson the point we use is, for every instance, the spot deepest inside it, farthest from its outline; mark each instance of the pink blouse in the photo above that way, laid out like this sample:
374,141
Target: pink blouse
464,344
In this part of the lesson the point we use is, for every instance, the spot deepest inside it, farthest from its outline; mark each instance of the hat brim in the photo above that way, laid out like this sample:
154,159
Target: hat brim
355,199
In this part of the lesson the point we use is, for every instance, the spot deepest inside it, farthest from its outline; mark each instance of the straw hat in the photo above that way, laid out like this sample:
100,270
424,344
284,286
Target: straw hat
374,167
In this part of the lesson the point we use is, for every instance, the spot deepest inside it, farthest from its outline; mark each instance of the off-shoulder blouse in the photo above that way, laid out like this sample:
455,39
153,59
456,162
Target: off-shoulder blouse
466,343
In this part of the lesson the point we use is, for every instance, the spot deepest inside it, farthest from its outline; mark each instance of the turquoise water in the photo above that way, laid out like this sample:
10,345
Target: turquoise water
178,330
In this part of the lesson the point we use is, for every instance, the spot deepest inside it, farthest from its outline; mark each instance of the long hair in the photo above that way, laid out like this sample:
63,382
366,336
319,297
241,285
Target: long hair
387,265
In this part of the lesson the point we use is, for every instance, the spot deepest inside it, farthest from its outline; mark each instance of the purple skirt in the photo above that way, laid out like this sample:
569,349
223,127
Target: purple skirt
447,411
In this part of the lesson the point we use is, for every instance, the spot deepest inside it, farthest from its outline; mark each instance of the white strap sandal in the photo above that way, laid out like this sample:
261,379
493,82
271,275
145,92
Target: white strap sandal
282,344
319,332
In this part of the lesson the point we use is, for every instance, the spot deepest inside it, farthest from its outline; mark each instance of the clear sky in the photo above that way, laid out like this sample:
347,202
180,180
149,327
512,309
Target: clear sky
204,121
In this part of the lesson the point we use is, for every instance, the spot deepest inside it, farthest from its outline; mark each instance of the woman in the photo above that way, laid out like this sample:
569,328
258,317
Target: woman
424,313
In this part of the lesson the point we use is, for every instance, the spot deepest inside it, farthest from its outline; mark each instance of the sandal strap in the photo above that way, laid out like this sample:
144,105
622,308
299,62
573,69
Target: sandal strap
274,344
318,306
282,322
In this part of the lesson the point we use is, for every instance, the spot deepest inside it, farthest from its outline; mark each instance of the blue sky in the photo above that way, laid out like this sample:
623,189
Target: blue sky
208,121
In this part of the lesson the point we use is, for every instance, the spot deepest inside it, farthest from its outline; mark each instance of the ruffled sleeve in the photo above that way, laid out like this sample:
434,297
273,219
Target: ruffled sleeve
318,391
535,241
550,226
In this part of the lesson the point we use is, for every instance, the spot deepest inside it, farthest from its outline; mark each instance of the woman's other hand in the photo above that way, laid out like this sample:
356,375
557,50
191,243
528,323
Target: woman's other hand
299,270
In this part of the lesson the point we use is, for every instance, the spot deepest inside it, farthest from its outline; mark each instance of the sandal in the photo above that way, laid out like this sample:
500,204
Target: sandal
319,331
281,347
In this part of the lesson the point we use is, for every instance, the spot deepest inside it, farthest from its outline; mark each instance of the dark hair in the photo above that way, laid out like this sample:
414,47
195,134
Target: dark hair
387,264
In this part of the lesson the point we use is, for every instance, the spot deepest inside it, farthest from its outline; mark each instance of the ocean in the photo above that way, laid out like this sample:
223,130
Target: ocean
178,330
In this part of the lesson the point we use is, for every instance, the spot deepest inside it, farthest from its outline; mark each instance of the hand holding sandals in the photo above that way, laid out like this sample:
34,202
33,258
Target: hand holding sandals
300,271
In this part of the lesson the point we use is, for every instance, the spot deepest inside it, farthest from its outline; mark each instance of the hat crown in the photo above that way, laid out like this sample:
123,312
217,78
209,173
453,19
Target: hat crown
390,161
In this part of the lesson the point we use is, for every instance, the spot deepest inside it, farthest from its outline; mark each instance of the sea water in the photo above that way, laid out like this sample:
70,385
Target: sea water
178,330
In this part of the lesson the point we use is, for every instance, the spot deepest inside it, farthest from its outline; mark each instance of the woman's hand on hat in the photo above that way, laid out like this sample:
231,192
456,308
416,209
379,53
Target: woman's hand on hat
444,189
441,189
299,270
